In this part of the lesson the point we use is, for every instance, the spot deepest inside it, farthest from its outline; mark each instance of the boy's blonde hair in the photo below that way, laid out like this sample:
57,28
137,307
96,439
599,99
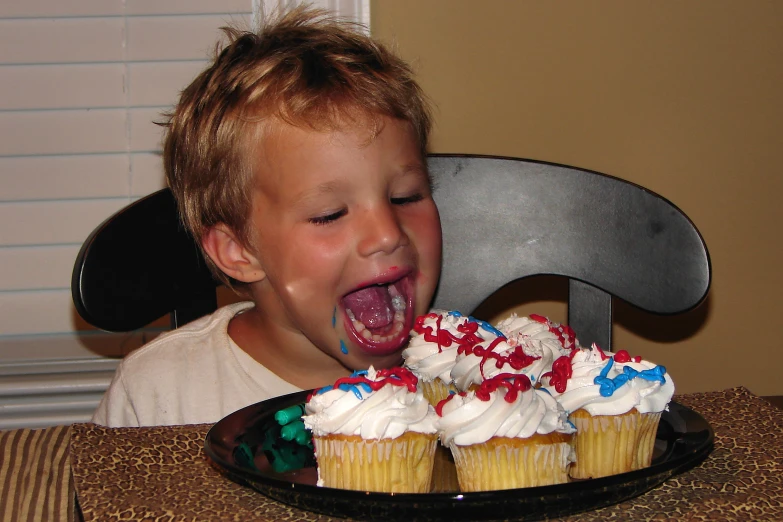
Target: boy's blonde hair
305,69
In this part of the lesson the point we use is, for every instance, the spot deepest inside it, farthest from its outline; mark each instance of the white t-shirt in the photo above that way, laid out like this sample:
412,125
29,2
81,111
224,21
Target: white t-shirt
195,374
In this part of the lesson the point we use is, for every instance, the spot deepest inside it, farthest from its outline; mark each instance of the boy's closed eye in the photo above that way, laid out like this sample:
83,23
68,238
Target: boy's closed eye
328,218
407,200
334,216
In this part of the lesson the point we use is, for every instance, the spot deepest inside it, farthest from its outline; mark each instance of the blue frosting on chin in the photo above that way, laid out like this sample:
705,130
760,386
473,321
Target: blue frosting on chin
608,386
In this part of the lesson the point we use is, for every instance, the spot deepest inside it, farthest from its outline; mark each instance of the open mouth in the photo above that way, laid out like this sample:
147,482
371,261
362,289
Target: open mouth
379,317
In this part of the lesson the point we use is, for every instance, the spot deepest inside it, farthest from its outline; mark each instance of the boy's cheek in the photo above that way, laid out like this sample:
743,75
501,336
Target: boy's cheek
427,228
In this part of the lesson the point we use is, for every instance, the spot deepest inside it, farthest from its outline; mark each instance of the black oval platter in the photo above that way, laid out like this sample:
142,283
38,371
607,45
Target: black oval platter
235,444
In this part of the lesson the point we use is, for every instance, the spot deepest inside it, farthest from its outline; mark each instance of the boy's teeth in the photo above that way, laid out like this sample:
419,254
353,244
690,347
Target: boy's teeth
399,305
397,299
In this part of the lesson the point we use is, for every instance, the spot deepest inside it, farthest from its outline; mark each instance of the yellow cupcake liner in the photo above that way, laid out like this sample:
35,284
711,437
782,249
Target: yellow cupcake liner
444,472
510,463
610,444
436,390
401,465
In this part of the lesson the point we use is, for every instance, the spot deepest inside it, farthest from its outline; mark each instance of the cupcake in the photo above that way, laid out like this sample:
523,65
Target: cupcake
506,435
522,354
615,401
433,346
373,431
538,327
525,345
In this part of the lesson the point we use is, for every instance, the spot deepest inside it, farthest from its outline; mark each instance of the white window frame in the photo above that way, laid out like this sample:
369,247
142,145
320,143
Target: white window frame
356,10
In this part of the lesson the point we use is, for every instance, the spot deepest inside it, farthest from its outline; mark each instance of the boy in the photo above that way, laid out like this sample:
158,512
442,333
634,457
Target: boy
298,163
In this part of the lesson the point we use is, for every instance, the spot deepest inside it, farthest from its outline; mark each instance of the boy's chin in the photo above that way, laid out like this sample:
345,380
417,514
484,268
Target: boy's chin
362,356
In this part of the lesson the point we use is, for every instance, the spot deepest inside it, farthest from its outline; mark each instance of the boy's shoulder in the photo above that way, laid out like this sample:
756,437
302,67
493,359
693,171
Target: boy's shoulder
203,334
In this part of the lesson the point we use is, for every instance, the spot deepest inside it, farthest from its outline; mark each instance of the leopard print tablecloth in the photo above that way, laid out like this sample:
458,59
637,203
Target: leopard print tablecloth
162,474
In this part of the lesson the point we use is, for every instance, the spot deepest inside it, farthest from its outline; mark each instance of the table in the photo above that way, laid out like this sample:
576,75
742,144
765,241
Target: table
162,474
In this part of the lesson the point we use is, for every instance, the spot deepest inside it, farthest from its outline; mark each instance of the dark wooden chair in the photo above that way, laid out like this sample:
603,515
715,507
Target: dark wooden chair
503,219
139,265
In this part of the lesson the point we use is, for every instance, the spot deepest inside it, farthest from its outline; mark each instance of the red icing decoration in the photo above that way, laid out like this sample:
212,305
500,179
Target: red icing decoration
539,319
441,404
561,372
444,338
601,352
564,333
517,359
623,357
512,382
562,368
395,376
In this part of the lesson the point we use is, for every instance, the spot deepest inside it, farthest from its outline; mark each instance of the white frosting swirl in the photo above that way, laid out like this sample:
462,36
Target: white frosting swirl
476,366
516,327
582,391
467,420
385,413
427,359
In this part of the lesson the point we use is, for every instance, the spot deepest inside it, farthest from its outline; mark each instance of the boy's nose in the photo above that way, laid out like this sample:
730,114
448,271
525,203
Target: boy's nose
381,232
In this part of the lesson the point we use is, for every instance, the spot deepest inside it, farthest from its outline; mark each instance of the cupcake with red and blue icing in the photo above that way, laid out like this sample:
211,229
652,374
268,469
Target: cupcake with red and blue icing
615,401
373,431
506,435
432,351
522,345
538,327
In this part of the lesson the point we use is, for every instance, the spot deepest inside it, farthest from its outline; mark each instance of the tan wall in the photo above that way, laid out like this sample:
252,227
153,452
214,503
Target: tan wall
683,98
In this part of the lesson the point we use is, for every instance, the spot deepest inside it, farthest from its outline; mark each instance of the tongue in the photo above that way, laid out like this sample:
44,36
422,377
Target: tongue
371,306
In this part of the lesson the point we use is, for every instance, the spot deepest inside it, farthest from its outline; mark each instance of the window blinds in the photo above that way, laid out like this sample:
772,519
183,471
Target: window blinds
81,83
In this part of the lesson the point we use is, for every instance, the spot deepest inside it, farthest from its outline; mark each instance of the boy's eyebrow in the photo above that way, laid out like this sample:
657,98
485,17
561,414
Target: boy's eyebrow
329,187
323,188
415,168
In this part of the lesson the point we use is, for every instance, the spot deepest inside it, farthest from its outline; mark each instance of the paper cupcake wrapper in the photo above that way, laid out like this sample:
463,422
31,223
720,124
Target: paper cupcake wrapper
506,463
444,472
610,444
401,465
436,390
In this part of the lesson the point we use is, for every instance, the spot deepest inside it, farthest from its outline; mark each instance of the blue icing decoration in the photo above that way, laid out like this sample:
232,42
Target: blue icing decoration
485,325
343,348
488,327
608,386
355,389
334,317
350,387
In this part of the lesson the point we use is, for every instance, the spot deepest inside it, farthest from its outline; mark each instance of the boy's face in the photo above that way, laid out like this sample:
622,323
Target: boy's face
348,236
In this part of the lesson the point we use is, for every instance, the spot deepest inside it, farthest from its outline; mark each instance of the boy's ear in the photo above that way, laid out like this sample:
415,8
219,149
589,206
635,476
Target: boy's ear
227,252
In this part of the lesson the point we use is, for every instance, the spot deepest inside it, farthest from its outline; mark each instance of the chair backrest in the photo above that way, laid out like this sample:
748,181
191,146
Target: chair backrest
139,265
503,219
